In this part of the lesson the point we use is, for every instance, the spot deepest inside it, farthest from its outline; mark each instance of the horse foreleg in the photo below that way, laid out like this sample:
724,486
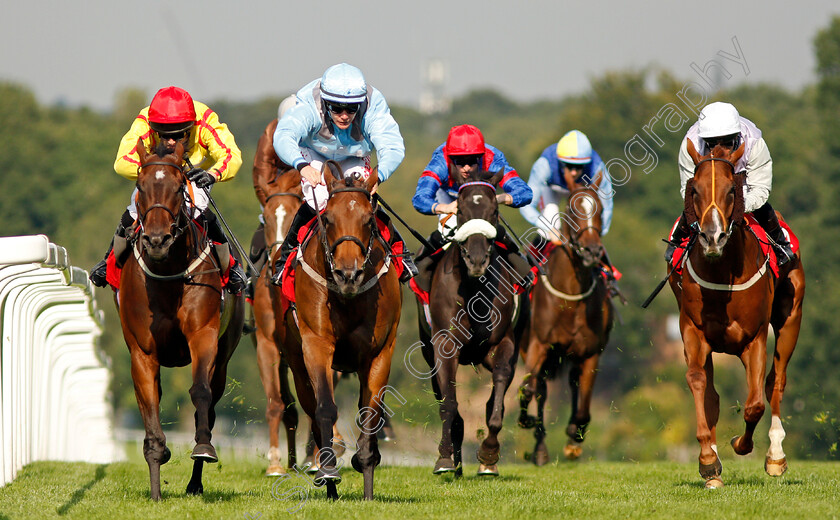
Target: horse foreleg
268,361
535,358
373,380
697,355
290,415
579,421
787,320
503,362
754,359
540,456
203,348
444,386
326,414
145,372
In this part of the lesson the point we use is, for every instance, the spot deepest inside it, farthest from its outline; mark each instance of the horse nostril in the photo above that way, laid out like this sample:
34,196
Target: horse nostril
338,275
357,276
721,236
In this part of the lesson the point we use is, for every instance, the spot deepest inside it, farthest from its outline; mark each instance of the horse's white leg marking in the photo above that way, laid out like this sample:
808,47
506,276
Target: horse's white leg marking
777,435
279,216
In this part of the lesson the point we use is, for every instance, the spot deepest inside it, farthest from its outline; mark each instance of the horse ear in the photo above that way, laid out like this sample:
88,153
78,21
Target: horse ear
735,156
141,149
329,176
372,179
497,178
596,184
179,150
695,156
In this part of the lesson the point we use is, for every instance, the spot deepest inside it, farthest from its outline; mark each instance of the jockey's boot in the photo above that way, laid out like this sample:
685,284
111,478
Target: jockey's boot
427,259
766,216
119,244
681,232
410,270
305,214
521,265
236,275
612,282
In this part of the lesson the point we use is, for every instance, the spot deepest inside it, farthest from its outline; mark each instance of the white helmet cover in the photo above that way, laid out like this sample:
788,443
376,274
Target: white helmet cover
343,83
286,104
718,120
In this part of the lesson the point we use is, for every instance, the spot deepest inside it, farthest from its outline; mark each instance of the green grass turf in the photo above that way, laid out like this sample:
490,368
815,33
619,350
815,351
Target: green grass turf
583,489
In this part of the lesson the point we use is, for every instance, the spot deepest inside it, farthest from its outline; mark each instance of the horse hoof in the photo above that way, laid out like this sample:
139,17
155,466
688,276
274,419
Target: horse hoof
488,471
714,483
166,455
572,451
444,465
735,442
275,470
311,469
205,453
326,476
775,468
354,461
711,471
195,489
527,421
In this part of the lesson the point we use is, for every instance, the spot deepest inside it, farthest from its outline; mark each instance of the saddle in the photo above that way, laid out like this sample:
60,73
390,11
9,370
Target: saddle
760,234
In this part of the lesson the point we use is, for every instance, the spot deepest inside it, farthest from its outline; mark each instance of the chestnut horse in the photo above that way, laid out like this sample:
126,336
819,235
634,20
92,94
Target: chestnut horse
727,297
348,308
281,196
174,311
571,319
472,304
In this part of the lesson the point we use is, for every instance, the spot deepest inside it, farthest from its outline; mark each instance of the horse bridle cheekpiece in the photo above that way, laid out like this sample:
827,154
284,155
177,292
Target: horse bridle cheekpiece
176,228
713,204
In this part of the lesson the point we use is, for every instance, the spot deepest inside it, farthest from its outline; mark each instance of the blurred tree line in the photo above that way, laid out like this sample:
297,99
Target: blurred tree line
58,179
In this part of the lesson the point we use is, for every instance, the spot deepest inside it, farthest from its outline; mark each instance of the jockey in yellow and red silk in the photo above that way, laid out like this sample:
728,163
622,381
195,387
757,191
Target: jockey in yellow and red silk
437,192
210,154
337,117
721,124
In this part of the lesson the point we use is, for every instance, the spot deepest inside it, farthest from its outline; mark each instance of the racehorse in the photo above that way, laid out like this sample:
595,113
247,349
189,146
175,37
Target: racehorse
173,310
472,306
281,196
571,319
349,304
727,297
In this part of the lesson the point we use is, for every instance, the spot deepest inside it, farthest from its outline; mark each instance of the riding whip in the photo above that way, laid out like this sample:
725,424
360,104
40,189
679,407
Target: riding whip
662,283
411,230
233,238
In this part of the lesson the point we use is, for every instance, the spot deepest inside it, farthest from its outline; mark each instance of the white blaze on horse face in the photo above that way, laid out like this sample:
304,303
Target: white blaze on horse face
777,435
477,199
159,175
352,205
279,217
717,225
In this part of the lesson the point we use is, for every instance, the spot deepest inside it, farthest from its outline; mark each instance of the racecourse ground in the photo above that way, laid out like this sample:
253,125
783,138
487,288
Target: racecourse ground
236,489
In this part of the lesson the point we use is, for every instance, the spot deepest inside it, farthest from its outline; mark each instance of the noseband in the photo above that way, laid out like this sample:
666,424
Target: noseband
329,249
475,226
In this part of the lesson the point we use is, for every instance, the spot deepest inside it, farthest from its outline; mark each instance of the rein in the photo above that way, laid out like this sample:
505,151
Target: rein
569,297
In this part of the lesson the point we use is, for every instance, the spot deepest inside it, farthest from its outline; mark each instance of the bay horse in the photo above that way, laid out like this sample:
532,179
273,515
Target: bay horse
281,196
348,307
571,320
173,310
727,298
472,306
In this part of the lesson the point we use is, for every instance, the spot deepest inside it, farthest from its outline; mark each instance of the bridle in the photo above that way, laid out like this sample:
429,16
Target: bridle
713,204
462,243
176,227
574,240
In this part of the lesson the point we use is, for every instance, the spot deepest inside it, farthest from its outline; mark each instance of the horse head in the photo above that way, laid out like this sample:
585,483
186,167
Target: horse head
160,199
714,197
349,226
478,216
582,224
282,197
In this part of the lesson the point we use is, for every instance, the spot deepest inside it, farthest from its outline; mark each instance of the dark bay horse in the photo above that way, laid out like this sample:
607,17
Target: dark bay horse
472,306
174,312
348,308
571,319
280,196
727,297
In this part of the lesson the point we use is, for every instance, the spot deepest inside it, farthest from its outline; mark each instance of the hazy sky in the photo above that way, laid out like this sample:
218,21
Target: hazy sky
245,50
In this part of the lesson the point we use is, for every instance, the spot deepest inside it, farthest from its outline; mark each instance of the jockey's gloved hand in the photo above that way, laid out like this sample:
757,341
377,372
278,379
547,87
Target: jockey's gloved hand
201,178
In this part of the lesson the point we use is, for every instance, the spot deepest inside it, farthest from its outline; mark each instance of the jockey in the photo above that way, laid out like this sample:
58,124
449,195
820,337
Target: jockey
437,194
211,155
338,117
720,123
266,166
561,168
